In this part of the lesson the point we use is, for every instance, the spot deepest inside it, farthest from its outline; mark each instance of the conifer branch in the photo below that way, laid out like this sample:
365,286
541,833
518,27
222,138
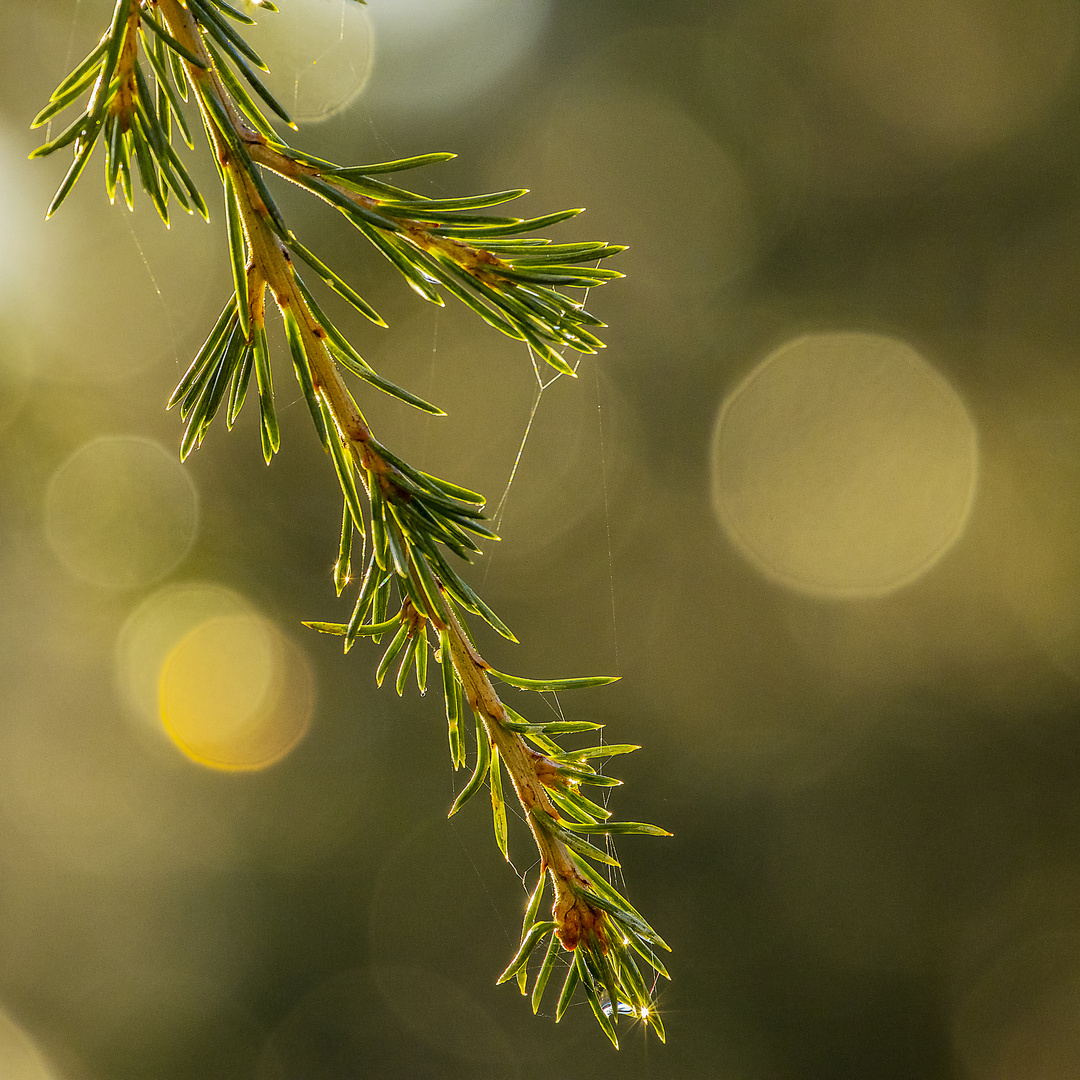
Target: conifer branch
406,519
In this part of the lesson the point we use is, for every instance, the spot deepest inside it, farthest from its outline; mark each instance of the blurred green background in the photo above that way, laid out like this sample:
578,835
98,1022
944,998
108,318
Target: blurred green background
818,504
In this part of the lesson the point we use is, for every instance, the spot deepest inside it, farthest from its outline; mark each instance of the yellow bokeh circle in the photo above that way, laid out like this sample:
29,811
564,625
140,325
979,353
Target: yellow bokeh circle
235,693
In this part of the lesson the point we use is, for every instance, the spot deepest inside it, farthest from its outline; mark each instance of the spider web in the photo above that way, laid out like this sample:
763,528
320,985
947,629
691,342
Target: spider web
552,700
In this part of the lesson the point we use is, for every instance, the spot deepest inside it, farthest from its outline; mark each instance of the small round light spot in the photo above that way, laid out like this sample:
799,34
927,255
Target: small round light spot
121,512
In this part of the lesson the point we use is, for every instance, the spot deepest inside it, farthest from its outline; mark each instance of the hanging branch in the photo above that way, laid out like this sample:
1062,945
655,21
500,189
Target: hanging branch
406,519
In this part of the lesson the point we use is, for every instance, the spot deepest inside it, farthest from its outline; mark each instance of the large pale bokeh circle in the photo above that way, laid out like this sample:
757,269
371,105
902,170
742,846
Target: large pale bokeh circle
235,693
844,465
121,512
319,52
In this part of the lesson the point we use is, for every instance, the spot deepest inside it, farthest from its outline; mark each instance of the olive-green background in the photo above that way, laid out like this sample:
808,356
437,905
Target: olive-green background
875,871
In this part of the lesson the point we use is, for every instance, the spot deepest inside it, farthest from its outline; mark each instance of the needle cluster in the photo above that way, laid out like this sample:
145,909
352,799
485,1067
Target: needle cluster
403,526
